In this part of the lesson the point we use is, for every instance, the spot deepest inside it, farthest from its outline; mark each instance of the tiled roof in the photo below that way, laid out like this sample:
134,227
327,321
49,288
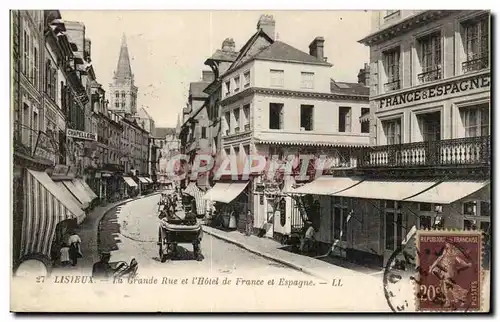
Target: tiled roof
280,51
349,88
162,132
224,55
196,89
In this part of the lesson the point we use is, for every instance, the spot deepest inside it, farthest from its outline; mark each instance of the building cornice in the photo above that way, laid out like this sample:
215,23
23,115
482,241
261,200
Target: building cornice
405,26
291,93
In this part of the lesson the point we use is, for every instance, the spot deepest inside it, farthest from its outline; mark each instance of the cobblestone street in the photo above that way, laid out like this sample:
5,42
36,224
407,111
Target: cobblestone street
131,230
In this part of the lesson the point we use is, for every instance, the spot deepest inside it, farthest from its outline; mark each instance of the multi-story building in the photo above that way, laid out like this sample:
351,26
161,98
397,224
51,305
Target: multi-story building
123,92
194,132
429,163
145,120
280,101
169,145
135,148
48,97
219,62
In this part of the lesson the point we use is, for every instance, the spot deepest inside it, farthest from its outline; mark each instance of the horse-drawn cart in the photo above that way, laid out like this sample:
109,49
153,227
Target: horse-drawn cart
178,231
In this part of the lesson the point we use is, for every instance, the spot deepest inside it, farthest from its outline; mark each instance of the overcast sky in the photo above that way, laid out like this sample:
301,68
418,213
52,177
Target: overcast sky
168,48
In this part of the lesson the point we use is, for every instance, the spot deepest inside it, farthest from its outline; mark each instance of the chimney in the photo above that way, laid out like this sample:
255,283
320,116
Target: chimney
208,76
364,75
228,45
88,46
316,48
267,24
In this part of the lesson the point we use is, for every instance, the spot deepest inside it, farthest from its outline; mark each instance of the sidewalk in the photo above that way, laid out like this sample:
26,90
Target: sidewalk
274,251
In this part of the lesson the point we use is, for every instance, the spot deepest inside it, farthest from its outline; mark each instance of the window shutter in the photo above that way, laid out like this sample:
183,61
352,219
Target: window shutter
348,120
47,73
282,117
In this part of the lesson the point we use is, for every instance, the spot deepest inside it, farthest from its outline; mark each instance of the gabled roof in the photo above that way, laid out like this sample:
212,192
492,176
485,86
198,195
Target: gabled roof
280,51
196,89
275,51
241,54
228,56
142,113
349,88
163,132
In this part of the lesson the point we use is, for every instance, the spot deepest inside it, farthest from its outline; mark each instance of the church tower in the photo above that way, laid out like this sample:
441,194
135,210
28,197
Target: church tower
123,92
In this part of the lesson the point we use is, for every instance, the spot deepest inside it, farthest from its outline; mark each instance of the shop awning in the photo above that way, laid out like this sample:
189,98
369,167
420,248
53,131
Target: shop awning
449,191
386,189
326,185
68,195
148,180
142,180
46,206
130,181
80,194
225,191
88,189
82,185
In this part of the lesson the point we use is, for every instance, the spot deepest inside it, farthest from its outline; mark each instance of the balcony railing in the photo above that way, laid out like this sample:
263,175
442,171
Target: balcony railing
392,86
35,144
247,127
430,75
454,152
237,129
475,64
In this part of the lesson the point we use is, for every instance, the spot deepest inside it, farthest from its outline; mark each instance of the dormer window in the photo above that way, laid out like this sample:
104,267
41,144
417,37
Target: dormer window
227,88
237,83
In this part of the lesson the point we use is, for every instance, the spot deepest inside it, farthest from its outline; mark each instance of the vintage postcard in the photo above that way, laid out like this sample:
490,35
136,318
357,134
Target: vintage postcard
251,161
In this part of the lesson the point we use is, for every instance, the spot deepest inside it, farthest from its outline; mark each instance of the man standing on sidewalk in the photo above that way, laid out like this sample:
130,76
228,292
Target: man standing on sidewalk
249,223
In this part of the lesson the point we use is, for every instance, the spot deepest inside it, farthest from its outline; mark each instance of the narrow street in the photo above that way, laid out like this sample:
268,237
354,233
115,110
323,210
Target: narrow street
131,230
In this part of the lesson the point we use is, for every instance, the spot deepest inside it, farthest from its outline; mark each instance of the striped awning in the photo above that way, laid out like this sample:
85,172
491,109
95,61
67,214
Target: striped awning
87,188
148,180
77,192
68,195
130,181
79,183
142,180
45,207
193,190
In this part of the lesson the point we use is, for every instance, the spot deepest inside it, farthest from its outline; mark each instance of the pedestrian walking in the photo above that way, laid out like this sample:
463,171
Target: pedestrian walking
249,223
64,255
75,251
306,242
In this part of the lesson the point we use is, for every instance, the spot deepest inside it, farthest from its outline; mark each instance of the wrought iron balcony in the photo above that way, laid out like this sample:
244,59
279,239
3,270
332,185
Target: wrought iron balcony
430,75
392,85
453,152
475,64
35,144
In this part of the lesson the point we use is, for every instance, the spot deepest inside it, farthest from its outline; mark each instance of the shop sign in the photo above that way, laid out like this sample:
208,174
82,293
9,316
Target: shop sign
81,135
439,90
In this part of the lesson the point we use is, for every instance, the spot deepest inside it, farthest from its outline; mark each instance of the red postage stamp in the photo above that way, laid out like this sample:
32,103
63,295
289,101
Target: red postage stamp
449,268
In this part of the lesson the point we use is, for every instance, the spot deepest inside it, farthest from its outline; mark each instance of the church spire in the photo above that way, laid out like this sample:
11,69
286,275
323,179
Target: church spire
178,127
123,71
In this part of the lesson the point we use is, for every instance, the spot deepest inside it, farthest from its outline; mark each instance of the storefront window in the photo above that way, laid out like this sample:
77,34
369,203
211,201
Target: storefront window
393,224
283,212
340,214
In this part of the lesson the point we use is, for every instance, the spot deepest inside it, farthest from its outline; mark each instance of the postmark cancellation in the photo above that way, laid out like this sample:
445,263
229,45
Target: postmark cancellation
449,268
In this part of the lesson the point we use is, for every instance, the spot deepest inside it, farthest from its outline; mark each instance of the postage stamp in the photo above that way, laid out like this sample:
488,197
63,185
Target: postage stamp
449,269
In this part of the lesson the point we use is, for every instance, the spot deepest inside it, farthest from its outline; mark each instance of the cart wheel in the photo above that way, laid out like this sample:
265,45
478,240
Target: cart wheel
162,253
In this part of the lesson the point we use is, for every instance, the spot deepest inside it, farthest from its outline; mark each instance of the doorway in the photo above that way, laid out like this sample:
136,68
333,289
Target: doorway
430,129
